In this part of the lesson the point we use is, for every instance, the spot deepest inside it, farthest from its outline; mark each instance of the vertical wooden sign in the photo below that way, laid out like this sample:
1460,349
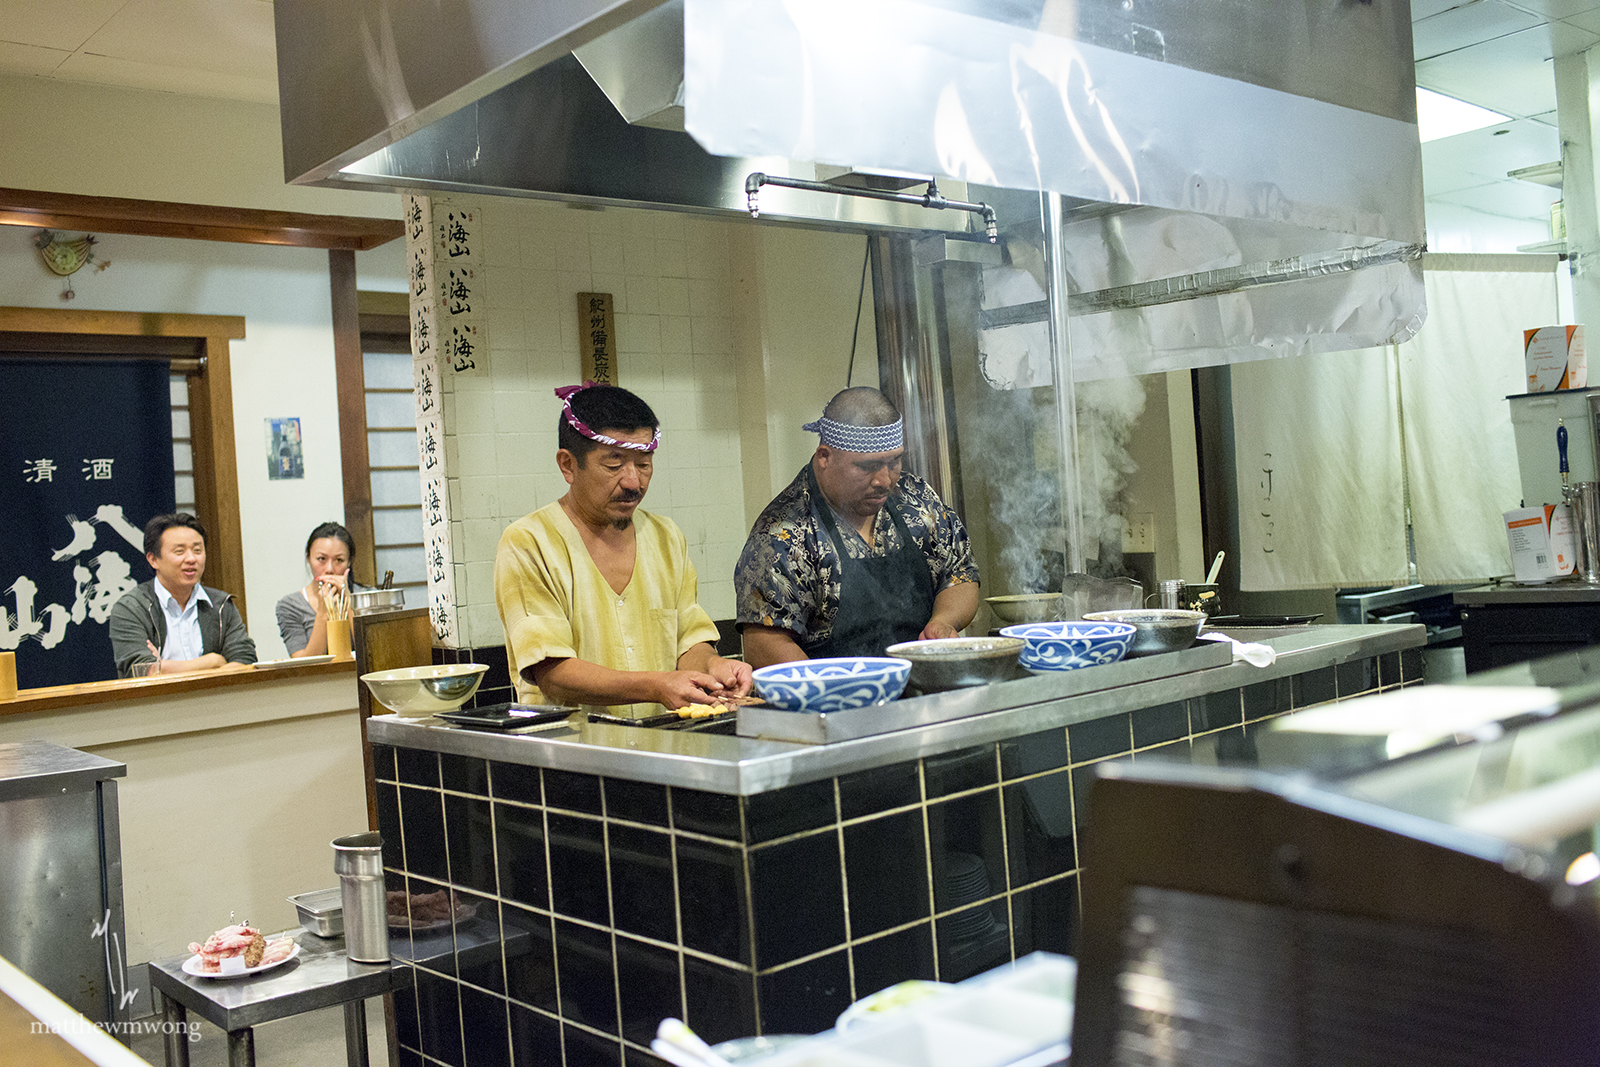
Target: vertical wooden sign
597,334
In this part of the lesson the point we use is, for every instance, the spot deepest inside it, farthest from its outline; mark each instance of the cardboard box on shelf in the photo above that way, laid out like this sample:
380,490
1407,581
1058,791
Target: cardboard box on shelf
1555,358
1543,544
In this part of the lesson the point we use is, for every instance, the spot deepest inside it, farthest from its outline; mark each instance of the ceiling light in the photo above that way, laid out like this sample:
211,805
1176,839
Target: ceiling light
1444,116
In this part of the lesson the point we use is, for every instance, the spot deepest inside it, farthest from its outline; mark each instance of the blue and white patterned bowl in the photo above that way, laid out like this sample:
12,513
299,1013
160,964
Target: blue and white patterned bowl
833,684
1066,646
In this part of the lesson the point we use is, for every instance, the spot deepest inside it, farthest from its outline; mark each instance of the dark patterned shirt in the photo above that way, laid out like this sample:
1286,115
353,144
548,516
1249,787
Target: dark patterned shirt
788,573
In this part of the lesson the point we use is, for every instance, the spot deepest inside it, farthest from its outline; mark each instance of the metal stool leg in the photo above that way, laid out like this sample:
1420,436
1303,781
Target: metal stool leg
242,1048
355,1033
175,1034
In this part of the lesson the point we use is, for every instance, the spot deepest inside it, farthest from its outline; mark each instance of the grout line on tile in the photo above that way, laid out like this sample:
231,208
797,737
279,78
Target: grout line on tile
844,893
677,916
927,861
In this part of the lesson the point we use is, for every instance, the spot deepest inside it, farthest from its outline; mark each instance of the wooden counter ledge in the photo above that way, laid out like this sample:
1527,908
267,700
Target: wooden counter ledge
119,689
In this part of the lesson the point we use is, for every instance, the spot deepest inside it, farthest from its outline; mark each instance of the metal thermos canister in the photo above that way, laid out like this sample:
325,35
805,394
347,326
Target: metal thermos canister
1586,516
358,861
1172,593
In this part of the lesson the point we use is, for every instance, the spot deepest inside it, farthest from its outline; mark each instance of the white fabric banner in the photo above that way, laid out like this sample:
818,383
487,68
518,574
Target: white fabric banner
1323,466
1461,456
1317,445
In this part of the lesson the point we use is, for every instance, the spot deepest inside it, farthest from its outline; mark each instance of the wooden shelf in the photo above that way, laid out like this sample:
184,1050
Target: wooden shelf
197,222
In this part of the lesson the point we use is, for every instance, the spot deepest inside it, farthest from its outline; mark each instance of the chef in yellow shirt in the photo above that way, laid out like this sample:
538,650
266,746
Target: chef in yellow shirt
597,596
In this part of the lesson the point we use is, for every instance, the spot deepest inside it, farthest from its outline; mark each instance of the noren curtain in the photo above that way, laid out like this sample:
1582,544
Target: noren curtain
85,462
1331,448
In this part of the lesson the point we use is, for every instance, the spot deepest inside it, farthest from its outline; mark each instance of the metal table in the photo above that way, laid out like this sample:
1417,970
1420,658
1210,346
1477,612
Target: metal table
61,878
320,977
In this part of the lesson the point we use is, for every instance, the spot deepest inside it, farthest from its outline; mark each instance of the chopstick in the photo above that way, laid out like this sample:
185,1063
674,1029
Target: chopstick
337,603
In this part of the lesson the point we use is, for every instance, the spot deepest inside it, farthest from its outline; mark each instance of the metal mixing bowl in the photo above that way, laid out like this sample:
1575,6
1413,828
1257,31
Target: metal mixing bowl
1156,629
1026,607
959,662
419,691
367,601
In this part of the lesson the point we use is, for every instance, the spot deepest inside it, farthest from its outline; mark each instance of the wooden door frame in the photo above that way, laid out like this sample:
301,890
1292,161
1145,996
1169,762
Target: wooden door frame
206,337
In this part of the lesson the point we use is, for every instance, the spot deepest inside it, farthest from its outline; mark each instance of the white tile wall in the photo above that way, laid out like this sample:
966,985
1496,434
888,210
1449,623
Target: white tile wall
670,280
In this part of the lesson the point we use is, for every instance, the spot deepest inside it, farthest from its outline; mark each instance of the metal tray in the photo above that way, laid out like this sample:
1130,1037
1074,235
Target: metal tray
816,728
507,716
1223,622
321,911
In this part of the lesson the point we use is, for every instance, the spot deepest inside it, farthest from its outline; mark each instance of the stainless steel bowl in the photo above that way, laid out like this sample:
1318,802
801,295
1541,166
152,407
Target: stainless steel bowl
1156,629
321,911
422,691
367,601
960,662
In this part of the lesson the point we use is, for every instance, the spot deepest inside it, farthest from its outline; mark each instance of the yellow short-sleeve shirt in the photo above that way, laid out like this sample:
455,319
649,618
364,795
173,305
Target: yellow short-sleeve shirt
555,603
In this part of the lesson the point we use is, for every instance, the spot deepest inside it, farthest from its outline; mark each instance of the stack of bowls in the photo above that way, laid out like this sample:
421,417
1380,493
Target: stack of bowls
1067,646
822,685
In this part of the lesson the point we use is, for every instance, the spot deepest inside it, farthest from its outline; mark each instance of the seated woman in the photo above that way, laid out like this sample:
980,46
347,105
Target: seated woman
303,614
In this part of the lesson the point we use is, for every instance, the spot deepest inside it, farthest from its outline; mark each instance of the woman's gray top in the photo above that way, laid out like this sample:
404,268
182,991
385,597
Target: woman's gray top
296,617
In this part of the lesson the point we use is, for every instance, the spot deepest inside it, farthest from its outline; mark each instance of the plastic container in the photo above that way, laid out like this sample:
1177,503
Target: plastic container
358,861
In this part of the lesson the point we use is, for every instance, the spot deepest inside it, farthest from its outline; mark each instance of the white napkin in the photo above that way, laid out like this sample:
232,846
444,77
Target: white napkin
1251,652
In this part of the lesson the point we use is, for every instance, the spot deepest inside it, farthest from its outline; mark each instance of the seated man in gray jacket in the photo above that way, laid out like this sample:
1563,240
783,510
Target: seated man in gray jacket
174,624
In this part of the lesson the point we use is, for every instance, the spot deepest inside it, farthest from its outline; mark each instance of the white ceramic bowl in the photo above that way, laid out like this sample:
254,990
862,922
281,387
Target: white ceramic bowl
833,684
422,691
1025,607
1068,646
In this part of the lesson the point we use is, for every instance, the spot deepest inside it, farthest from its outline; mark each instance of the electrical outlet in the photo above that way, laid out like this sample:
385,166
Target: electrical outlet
1140,533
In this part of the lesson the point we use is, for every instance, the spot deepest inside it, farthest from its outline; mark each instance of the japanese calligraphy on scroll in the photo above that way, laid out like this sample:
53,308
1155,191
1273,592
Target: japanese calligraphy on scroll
597,338
438,325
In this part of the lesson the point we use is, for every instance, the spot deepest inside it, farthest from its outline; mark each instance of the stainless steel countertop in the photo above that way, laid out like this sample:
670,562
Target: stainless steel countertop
1565,591
38,768
742,766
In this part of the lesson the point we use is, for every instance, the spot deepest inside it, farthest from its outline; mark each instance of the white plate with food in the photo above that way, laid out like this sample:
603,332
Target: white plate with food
233,967
303,661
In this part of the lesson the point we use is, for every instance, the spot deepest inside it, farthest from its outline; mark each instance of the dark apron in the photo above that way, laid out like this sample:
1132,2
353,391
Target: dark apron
883,600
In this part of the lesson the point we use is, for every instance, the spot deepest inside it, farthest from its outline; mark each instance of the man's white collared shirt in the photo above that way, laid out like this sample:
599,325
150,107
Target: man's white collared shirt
183,624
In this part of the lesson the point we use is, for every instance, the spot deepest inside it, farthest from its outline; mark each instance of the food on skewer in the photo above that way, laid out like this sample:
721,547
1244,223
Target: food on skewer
718,706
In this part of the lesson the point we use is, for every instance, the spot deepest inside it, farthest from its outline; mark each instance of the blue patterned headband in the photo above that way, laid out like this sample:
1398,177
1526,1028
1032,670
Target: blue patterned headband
869,439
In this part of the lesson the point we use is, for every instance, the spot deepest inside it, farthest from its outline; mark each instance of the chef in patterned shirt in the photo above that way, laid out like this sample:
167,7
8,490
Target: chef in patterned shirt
856,554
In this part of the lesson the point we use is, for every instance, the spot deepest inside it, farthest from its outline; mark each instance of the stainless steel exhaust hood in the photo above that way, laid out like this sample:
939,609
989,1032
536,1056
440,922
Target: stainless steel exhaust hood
1206,154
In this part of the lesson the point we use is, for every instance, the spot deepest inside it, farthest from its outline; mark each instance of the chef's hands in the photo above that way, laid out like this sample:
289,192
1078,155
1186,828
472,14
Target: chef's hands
701,677
953,608
679,689
733,674
721,677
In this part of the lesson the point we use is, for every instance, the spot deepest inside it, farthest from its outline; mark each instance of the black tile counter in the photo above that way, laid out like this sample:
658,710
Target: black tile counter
760,887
